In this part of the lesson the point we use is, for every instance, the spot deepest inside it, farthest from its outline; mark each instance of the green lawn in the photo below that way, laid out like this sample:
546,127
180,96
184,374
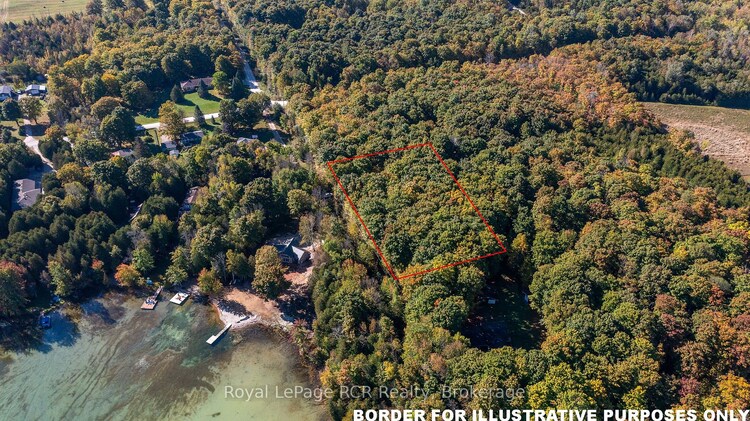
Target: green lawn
18,10
208,106
14,131
208,128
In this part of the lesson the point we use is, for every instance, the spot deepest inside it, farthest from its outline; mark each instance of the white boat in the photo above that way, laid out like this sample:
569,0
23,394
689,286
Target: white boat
179,298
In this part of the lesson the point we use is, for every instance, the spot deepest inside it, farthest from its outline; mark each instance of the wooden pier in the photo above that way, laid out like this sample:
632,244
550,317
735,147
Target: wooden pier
216,337
151,301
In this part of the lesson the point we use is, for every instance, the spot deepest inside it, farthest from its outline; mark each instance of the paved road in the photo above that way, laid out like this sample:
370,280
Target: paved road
33,144
251,83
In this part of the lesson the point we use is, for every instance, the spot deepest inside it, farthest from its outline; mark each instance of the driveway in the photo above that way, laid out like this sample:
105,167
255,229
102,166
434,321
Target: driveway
32,143
156,125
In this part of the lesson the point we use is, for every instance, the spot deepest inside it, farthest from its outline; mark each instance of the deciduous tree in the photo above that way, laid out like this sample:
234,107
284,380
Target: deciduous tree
269,279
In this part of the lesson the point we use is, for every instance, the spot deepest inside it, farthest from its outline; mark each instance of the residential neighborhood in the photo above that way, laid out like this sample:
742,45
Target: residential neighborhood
515,210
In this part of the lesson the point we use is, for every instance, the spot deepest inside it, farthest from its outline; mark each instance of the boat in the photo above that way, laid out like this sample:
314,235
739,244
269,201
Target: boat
151,301
179,298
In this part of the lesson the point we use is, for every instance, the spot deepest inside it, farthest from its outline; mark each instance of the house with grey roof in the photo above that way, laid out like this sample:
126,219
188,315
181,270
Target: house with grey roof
6,92
192,138
191,85
36,90
25,193
289,253
126,153
167,144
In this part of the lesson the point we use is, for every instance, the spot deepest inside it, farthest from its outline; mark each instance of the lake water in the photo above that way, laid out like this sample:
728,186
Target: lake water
119,362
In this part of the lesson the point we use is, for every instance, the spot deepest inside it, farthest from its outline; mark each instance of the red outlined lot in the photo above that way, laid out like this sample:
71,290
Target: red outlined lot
369,234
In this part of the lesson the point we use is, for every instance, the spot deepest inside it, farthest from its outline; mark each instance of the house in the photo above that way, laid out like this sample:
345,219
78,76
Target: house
289,253
187,204
192,85
167,144
243,140
25,193
36,90
192,138
123,153
6,92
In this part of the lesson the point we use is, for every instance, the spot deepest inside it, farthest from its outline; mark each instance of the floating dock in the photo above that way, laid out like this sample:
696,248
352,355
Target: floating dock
151,301
216,337
179,298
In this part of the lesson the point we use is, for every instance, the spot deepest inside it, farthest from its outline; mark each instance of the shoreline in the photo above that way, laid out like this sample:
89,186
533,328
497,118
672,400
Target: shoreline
239,321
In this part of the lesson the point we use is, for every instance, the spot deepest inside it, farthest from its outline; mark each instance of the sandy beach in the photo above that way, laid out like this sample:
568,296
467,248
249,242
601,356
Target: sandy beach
242,307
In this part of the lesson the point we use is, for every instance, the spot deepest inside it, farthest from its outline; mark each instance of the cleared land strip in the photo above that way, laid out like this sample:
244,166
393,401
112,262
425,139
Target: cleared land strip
721,133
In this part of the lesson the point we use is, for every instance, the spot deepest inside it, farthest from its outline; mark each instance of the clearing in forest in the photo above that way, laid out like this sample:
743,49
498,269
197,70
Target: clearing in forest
414,210
18,10
721,133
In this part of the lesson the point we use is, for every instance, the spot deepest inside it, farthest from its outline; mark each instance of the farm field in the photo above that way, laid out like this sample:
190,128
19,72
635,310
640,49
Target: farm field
721,133
18,10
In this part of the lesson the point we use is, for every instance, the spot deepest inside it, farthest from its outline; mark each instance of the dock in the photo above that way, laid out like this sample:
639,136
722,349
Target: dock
151,301
179,298
216,337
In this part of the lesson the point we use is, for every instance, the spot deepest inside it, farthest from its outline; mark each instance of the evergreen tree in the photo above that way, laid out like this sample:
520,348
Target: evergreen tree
198,114
176,95
238,89
203,90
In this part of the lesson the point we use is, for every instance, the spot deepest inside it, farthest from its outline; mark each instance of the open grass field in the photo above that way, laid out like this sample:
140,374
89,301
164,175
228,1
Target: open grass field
721,133
18,10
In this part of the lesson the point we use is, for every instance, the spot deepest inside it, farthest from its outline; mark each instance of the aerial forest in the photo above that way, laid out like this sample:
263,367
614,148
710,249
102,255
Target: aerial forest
627,248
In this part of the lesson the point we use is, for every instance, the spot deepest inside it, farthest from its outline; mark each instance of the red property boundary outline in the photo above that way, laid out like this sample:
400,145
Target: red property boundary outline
367,230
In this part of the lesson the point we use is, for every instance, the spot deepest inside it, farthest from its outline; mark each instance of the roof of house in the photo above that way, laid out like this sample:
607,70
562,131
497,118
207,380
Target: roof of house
35,87
25,184
194,83
123,153
5,89
283,242
191,195
192,137
28,198
167,142
26,193
299,253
